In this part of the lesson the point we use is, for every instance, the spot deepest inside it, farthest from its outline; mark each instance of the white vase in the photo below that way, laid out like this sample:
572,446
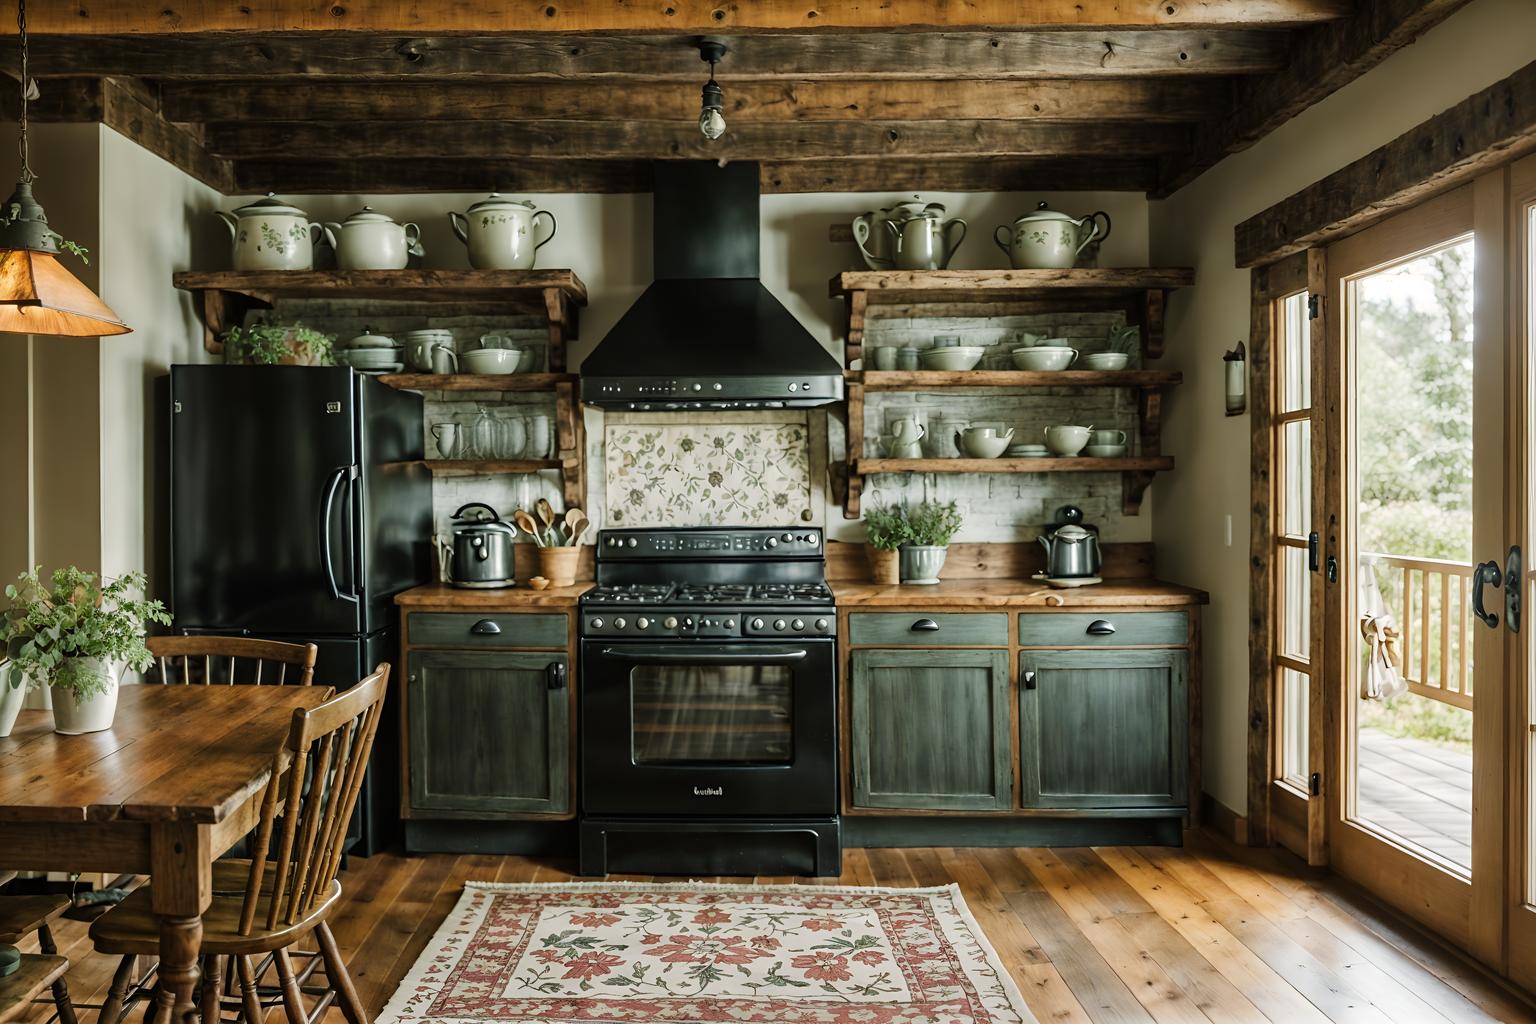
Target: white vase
920,563
11,701
72,717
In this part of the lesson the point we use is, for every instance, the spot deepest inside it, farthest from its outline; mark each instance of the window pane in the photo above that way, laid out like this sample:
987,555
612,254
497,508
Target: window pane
1295,354
1296,477
1294,696
1295,604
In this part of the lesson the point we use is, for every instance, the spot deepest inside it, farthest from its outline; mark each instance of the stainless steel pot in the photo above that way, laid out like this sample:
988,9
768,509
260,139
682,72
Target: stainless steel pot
1071,550
482,548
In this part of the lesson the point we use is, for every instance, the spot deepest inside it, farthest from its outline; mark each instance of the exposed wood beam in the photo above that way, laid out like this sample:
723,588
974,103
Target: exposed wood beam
111,17
1326,58
1145,99
58,100
884,55
1496,125
667,140
298,176
131,110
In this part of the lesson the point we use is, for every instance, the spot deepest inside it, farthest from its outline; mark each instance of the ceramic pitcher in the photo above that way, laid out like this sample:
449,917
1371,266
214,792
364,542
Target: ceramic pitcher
905,441
874,238
501,233
925,242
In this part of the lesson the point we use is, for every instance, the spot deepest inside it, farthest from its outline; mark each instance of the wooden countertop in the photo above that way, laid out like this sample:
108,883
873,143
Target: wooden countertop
1015,593
511,599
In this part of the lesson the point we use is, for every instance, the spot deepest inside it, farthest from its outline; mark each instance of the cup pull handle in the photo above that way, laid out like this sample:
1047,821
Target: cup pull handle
485,627
925,626
1027,677
1101,627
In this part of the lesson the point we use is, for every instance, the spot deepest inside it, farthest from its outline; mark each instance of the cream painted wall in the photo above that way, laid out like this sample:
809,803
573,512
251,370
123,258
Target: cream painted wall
1482,43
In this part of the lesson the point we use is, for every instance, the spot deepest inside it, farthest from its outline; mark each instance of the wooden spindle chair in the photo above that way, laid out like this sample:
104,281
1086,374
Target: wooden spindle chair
21,916
210,660
288,889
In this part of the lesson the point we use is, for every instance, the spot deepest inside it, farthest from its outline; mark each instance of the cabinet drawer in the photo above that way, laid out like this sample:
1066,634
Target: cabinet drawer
1103,629
467,629
928,629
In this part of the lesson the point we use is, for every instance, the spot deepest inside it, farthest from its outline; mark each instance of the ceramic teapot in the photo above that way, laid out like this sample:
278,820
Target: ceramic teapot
369,240
271,235
1049,240
924,242
874,237
501,233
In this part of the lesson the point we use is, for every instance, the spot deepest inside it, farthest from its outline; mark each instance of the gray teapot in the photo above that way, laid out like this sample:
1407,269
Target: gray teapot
1071,549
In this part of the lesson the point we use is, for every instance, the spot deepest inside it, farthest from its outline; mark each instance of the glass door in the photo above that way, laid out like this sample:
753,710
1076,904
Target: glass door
1521,770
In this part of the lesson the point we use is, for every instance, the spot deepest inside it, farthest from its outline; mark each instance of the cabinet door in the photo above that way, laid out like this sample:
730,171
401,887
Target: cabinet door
489,732
1103,728
930,730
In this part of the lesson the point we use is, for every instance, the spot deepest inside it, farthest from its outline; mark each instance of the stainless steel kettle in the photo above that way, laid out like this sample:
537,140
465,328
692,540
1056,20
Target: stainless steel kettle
1071,549
482,548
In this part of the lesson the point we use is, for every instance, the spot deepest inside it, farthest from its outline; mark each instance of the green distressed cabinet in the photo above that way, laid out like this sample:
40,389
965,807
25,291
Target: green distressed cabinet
489,732
1104,728
930,730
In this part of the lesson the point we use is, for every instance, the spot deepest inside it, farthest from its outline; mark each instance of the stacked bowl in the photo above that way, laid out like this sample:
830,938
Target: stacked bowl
370,353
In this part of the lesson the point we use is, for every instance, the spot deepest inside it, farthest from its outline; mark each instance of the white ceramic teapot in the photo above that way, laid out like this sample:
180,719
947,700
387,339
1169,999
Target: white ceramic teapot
271,235
500,233
369,240
1048,240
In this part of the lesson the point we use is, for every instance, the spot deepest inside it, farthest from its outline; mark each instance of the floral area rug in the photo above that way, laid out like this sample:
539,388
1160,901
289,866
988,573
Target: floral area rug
607,952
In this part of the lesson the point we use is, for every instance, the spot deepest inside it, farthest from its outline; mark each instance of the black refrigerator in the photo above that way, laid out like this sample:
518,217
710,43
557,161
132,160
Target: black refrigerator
297,510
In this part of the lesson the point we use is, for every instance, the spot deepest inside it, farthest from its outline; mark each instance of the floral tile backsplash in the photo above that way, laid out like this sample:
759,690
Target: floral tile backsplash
698,474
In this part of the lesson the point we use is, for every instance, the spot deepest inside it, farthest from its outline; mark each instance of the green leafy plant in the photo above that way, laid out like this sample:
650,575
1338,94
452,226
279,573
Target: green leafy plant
267,344
886,527
50,629
931,523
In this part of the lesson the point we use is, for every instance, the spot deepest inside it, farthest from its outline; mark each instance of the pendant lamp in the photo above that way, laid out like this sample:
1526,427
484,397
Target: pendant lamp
38,295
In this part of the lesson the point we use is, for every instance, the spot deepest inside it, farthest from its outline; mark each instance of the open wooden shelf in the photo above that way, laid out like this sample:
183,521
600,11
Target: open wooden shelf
910,286
477,382
483,467
918,380
1135,463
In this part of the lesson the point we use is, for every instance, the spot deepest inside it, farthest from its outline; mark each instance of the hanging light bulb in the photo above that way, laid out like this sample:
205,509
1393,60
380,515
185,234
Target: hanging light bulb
38,295
712,114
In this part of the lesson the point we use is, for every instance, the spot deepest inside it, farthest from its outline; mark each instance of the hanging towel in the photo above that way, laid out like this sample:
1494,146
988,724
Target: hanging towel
1381,678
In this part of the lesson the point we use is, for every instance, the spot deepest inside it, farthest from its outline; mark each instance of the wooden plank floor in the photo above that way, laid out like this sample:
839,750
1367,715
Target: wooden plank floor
1421,792
1207,934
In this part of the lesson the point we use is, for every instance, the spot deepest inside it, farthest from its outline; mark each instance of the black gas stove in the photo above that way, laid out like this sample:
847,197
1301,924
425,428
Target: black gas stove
709,704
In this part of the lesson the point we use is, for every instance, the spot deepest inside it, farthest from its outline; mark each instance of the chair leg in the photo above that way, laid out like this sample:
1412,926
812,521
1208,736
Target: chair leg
213,989
112,1008
339,977
254,1014
293,999
45,944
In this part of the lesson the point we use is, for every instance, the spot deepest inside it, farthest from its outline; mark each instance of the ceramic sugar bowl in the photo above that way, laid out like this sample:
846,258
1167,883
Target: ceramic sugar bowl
1049,240
502,233
271,235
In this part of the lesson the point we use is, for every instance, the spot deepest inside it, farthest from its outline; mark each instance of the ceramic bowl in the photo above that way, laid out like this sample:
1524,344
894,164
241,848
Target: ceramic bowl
490,360
368,358
980,446
1066,441
1104,361
1043,358
1104,451
953,357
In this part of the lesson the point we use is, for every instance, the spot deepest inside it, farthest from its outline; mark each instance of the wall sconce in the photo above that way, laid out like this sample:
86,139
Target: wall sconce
1236,365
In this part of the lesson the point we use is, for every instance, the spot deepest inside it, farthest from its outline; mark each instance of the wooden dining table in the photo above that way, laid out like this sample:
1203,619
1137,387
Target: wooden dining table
173,784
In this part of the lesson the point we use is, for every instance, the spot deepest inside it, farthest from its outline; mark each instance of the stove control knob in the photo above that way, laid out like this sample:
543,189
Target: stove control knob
757,623
787,538
778,623
810,539
670,622
718,386
642,623
798,624
619,623
821,625
771,542
596,623
633,543
729,623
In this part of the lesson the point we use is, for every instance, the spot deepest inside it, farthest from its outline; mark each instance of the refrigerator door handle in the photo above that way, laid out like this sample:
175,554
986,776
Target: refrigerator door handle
327,507
355,491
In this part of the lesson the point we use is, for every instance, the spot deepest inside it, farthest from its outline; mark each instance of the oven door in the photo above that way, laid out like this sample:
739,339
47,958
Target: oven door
718,730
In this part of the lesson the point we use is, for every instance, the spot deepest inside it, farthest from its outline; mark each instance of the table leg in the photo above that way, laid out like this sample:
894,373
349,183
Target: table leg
181,886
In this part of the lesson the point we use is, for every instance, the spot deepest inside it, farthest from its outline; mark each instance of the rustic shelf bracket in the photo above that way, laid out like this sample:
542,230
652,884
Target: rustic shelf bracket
223,310
562,326
1146,312
570,436
1133,486
855,446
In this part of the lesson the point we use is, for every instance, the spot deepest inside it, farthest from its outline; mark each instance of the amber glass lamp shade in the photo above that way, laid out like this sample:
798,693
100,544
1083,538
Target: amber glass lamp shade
38,296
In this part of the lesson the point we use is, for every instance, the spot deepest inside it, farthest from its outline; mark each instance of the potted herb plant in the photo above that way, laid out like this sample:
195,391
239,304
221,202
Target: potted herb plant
929,527
264,343
75,634
885,529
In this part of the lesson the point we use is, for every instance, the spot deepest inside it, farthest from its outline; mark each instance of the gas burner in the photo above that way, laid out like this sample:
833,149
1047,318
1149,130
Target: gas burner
791,592
631,593
711,593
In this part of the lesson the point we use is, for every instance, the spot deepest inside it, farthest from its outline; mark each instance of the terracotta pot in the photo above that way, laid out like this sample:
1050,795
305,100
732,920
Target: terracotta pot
558,565
884,565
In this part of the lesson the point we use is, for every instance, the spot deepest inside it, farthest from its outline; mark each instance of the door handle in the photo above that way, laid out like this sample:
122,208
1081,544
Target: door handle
1513,574
925,626
1486,572
1027,679
327,509
723,655
554,675
1101,627
1312,565
485,627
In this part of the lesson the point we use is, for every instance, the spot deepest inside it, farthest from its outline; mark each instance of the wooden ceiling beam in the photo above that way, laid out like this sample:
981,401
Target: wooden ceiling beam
114,17
680,139
1326,58
132,110
294,176
1117,99
632,59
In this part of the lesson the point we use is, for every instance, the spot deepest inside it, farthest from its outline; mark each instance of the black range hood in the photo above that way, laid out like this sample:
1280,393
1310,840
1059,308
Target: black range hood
707,334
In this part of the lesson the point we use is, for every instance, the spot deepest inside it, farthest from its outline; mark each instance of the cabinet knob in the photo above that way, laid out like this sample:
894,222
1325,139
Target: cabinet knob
485,627
925,626
554,675
1100,627
1027,678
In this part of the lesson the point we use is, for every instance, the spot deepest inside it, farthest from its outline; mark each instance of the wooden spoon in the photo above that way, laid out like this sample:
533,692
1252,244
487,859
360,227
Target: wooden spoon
578,527
546,513
525,523
572,517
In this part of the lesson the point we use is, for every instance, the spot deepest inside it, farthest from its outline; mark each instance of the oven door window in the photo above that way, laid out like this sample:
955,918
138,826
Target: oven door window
712,714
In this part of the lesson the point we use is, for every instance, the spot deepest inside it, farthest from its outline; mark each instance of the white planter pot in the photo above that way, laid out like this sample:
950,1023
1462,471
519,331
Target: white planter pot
10,704
72,717
920,563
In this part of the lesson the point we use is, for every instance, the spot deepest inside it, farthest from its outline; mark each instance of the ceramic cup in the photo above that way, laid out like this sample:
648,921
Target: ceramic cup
1104,451
444,359
906,358
946,341
884,357
1067,441
1107,437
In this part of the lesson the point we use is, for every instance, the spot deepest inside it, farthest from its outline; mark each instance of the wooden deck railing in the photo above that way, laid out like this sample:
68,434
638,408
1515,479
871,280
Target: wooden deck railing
1431,600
